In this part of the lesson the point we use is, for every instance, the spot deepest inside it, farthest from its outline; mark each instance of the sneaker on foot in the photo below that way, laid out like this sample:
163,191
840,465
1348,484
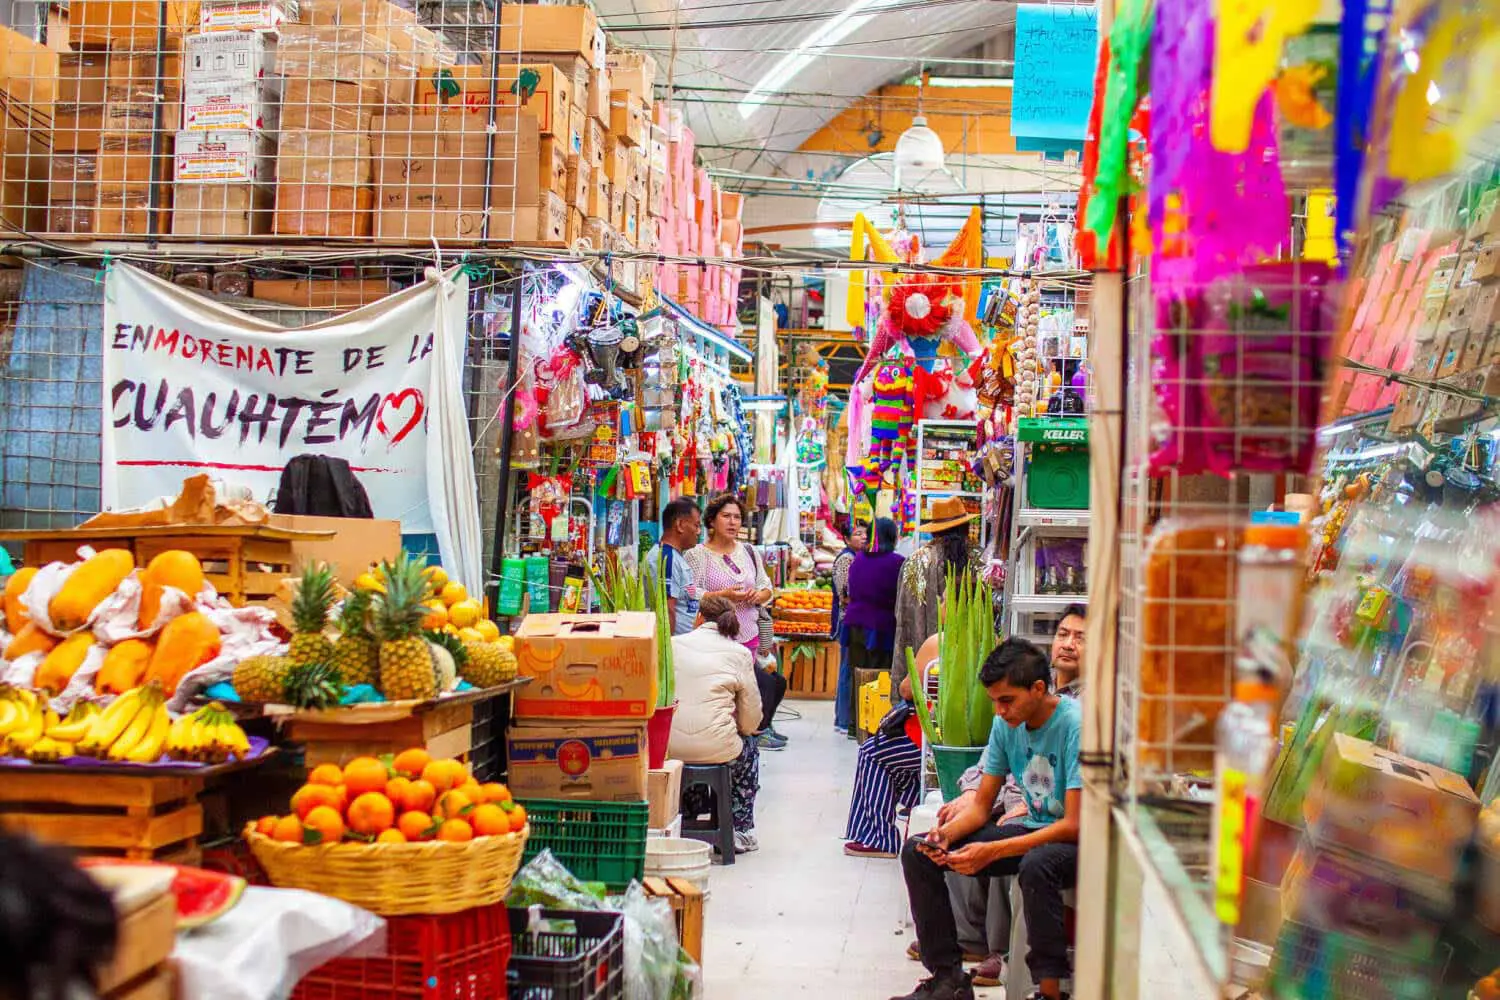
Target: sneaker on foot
857,850
745,843
771,740
990,971
952,986
914,952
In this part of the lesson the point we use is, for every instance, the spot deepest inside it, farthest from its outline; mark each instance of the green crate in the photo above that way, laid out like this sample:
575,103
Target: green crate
596,841
1057,471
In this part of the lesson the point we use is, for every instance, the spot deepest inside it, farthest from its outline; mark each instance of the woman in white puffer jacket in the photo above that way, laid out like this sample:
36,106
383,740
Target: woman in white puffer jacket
718,709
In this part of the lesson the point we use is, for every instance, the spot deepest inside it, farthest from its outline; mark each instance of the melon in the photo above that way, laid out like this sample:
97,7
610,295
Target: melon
202,896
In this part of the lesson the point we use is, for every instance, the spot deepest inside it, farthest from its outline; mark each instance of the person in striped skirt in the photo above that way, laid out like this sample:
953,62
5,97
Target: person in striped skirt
887,775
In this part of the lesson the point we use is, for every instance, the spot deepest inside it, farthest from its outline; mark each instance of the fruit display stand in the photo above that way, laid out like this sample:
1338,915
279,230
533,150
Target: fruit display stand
442,726
140,812
245,563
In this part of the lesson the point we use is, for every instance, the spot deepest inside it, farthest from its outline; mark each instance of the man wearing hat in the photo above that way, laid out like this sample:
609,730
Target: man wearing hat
924,577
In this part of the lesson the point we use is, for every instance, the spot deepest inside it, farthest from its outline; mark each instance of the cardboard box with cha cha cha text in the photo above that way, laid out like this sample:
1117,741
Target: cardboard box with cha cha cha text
587,666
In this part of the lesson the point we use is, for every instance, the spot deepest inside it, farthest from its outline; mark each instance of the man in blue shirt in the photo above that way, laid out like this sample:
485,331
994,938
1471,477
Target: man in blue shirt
1035,736
681,524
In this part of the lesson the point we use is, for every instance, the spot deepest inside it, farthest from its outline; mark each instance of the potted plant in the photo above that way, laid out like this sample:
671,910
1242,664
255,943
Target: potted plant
958,729
621,589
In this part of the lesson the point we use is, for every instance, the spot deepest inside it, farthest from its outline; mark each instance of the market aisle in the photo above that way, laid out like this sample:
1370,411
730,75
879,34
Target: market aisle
798,918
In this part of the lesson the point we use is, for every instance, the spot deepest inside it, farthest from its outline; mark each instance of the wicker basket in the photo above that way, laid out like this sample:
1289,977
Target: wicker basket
432,877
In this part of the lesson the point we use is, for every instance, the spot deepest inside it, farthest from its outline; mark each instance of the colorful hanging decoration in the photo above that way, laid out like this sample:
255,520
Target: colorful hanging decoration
1246,59
892,422
1129,38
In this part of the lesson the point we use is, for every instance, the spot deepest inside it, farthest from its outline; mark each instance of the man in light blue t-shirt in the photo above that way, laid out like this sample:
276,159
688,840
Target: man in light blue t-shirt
681,523
1035,736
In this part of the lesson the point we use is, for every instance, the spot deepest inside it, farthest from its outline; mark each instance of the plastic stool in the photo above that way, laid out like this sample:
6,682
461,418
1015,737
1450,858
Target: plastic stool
721,831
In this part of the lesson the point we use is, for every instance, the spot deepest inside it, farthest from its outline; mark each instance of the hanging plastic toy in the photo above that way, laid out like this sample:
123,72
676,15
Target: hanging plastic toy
892,420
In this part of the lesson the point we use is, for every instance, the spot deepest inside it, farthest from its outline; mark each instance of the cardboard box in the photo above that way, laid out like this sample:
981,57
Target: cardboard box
637,173
594,137
627,117
553,166
664,794
214,107
631,229
574,232
570,31
330,294
223,210
232,158
245,15
431,170
544,223
617,208
577,122
597,202
342,52
593,762
131,74
596,101
340,159
617,162
133,22
580,180
328,106
127,160
233,57
551,102
587,666
324,210
145,938
127,211
1405,812
634,72
656,194
133,118
1487,264
356,542
71,217
77,128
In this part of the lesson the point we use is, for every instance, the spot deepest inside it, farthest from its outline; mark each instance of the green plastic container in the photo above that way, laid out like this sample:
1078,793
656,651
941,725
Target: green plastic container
1057,474
537,578
951,763
512,586
596,841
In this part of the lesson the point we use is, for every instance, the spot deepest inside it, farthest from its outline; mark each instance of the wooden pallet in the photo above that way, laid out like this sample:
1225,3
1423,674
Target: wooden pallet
815,676
139,816
686,900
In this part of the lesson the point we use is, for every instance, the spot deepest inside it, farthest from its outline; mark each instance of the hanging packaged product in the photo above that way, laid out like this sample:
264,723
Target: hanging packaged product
512,586
536,584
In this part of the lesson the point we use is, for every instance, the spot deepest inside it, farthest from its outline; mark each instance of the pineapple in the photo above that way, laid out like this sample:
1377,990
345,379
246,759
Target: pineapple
310,615
488,664
406,666
356,654
312,685
260,677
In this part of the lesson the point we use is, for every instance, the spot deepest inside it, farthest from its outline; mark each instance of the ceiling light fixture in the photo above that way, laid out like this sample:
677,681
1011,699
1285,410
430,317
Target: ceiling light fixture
919,151
850,20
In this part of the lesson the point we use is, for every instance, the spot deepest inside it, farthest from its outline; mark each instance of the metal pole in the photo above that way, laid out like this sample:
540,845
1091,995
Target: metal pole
158,89
507,430
485,233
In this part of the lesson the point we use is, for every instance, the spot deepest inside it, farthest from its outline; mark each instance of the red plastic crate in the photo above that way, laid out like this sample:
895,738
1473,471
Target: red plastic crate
457,956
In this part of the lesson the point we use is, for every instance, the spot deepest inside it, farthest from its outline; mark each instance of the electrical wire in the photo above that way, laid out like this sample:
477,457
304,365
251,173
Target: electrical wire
770,19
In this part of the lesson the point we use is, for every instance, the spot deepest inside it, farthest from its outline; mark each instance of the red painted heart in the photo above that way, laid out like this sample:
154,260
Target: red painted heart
398,400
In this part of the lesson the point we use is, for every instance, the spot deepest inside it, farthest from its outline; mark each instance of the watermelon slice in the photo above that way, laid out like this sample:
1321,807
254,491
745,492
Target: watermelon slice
202,896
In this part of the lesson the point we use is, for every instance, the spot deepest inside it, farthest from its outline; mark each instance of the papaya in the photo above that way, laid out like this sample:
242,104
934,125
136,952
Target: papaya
188,641
29,640
63,662
124,667
87,586
173,568
15,612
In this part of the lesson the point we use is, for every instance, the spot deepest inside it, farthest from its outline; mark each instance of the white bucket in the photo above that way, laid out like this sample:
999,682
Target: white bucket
677,857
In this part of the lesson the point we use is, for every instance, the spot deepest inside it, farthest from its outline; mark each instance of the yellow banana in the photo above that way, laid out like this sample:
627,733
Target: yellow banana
238,742
77,724
178,737
26,735
135,732
109,724
11,716
150,746
198,738
46,749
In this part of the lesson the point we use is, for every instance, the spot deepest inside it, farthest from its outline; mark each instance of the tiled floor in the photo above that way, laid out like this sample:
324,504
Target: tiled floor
798,918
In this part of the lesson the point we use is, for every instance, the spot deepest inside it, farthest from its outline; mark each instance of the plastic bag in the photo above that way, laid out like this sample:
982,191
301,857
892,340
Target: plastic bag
656,967
544,880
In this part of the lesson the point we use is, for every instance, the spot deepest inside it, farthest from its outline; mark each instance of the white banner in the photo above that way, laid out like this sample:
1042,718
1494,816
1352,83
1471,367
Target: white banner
193,386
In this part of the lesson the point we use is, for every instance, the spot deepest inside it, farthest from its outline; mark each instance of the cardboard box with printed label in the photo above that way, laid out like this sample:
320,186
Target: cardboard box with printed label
664,794
577,122
232,57
569,31
540,89
1405,812
574,232
596,762
245,15
222,210
241,106
587,666
234,158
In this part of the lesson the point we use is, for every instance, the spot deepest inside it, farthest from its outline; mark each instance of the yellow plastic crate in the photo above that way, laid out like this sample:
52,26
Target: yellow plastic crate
874,702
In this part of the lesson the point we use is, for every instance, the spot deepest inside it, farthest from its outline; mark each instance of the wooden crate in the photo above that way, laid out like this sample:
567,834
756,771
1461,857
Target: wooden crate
444,730
687,906
159,984
245,563
815,676
137,816
146,937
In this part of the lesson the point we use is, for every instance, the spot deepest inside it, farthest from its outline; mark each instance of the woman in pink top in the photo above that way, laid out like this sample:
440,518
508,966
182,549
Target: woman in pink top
729,568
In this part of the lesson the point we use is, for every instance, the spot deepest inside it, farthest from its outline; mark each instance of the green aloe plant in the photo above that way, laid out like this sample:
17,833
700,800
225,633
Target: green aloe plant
964,713
620,589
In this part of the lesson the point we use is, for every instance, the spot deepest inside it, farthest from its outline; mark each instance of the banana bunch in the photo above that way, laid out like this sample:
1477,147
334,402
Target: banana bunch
209,734
61,737
133,728
24,719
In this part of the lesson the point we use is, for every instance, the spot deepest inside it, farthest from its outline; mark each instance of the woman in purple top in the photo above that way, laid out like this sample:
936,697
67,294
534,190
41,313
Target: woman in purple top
868,628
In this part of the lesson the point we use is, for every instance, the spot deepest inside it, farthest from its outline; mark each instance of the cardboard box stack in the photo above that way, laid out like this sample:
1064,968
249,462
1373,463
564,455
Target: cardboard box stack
580,725
695,219
28,90
77,120
226,149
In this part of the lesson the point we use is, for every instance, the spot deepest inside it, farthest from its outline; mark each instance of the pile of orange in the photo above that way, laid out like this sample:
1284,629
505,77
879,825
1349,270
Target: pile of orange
806,600
405,798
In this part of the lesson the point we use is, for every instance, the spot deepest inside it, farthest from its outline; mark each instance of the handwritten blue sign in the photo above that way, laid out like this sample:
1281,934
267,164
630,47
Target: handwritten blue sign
1057,48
